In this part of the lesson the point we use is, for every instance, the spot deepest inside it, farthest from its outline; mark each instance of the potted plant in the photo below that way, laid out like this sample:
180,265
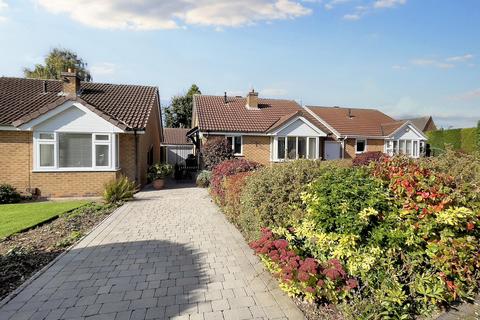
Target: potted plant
157,174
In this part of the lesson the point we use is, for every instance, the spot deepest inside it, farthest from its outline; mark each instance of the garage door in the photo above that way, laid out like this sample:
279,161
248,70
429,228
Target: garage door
332,150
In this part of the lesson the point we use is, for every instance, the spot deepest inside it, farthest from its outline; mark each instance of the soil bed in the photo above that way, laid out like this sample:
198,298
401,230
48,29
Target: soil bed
23,254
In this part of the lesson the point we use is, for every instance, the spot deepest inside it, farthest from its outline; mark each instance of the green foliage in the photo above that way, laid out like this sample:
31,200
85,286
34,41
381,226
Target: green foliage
271,197
233,186
215,151
57,61
8,194
203,178
478,135
119,190
179,113
159,171
459,139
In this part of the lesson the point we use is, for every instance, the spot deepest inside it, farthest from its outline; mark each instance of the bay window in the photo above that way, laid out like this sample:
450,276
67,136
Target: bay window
292,147
412,148
65,151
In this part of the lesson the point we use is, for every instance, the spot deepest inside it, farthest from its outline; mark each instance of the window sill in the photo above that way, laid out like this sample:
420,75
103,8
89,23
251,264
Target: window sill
74,170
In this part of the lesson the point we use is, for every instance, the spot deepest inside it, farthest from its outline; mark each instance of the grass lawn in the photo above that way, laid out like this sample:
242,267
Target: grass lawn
18,217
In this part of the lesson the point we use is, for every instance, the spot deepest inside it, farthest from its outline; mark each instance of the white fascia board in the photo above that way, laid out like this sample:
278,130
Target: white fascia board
59,109
413,127
9,128
308,123
335,132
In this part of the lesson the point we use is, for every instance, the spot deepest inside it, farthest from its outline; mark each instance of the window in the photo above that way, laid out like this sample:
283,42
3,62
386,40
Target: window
290,148
412,148
360,146
236,144
75,151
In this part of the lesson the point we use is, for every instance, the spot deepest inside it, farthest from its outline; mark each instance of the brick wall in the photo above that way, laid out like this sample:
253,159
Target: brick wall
257,148
372,145
15,158
375,145
349,149
127,155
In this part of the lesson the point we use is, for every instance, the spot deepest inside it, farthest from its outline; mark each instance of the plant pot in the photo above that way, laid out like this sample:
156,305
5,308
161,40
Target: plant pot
158,184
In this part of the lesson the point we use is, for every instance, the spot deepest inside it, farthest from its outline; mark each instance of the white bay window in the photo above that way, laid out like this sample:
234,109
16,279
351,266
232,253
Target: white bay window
409,147
293,147
66,151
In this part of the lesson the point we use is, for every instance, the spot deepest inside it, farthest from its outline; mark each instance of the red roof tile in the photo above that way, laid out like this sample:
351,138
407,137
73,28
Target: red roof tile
128,104
176,136
216,115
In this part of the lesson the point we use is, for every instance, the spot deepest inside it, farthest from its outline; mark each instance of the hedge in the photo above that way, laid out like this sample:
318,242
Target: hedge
465,140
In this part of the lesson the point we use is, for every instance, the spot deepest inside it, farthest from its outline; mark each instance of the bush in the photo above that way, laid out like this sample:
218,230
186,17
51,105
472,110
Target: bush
224,170
159,171
119,190
8,194
391,241
216,150
233,186
271,197
458,139
203,178
364,159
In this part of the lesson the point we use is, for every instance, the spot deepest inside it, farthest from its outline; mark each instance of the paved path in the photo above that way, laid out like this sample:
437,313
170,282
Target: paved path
169,254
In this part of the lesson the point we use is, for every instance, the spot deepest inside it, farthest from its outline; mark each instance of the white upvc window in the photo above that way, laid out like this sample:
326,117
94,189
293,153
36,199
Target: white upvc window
236,142
73,151
293,147
409,147
360,146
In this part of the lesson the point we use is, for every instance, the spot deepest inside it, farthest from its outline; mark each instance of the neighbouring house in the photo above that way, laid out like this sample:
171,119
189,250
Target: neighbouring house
360,130
176,147
63,138
424,123
272,130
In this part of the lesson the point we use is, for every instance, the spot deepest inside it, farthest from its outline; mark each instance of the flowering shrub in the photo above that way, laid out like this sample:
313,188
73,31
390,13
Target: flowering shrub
233,186
224,170
216,150
398,233
366,158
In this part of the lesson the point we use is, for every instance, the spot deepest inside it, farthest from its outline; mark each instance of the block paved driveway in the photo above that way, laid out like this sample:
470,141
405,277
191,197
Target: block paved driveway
168,254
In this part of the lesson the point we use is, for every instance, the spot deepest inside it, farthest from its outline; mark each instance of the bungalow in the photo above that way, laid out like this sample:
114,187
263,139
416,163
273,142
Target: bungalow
61,138
271,130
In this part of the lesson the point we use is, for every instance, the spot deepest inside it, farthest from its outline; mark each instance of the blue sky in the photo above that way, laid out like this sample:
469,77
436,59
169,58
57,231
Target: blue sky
404,57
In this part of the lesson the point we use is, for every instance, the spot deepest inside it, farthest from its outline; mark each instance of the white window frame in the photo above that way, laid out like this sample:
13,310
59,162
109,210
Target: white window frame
365,149
113,152
233,137
396,151
275,147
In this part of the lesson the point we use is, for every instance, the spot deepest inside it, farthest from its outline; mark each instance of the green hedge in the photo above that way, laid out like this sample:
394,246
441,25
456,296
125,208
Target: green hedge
460,139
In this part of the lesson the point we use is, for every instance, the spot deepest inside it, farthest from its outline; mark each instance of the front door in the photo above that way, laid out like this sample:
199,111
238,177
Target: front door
332,150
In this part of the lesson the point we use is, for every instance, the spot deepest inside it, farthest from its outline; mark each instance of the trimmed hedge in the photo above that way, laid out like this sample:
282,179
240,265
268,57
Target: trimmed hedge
465,140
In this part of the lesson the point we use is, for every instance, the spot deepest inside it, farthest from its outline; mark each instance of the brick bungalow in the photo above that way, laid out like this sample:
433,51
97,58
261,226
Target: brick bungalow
271,130
63,138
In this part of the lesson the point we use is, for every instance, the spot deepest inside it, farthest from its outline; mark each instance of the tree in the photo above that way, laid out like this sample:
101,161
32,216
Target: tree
179,113
478,135
57,61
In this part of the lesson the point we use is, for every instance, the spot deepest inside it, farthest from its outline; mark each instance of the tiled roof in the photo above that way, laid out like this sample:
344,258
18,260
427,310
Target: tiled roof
127,104
420,123
389,128
175,136
357,122
216,115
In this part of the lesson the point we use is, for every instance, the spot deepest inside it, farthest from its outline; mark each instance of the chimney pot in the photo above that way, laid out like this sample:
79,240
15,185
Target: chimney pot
71,82
252,100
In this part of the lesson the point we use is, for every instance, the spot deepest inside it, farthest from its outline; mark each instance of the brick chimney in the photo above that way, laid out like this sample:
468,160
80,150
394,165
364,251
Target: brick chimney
71,82
252,100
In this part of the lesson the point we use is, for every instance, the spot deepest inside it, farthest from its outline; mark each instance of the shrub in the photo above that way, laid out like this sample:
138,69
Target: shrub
8,194
233,186
119,190
224,170
159,171
364,159
203,178
216,150
271,197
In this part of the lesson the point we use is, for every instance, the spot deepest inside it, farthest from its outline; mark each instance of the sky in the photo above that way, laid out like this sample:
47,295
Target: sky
407,58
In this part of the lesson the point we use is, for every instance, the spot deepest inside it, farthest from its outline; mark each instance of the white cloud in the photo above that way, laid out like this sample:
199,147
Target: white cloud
380,4
3,8
153,14
103,69
432,63
470,95
463,58
333,3
352,16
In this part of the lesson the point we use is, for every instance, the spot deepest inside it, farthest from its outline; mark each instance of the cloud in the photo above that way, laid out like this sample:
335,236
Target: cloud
399,67
469,95
154,15
352,16
463,58
432,63
3,8
380,4
333,3
103,69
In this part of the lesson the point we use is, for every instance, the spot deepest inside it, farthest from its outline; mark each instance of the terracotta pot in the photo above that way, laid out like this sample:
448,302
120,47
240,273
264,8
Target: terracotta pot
158,184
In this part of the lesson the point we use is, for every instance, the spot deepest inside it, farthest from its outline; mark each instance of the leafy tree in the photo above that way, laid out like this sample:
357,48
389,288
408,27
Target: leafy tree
478,135
57,61
179,113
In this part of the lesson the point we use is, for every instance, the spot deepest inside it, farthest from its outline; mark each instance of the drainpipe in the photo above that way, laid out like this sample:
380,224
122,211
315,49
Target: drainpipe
136,155
343,147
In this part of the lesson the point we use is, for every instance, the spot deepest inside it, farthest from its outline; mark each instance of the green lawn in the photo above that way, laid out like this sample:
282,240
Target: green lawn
17,217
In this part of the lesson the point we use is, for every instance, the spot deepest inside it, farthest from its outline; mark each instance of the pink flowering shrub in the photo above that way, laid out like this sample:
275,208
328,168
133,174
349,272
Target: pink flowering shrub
303,275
